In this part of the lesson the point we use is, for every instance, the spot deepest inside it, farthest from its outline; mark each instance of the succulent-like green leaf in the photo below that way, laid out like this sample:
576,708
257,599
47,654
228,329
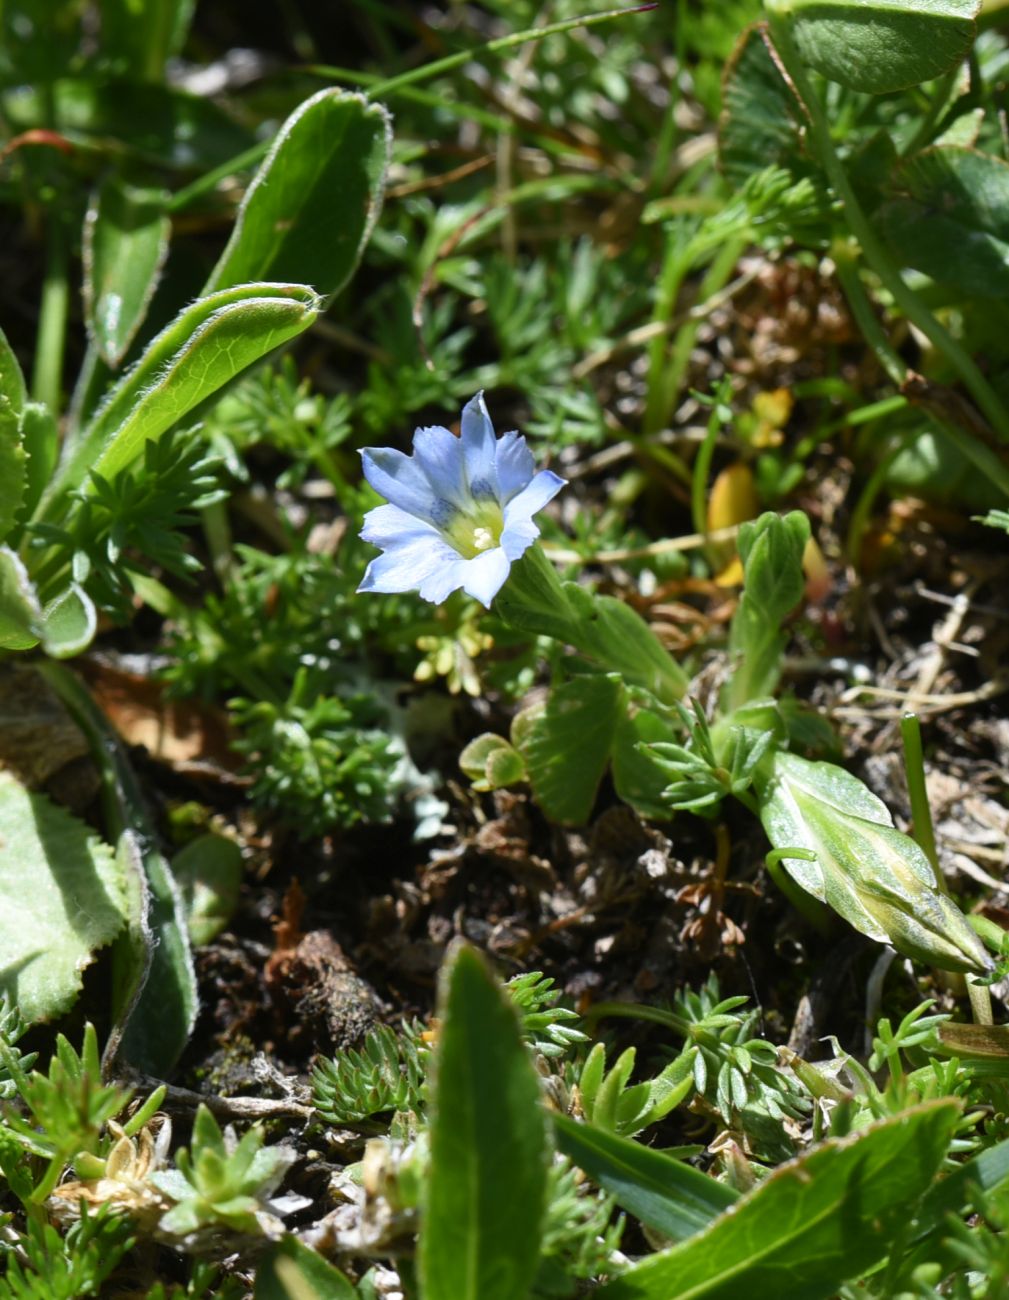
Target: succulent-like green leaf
125,244
482,1215
61,899
311,207
880,45
870,873
13,470
812,1224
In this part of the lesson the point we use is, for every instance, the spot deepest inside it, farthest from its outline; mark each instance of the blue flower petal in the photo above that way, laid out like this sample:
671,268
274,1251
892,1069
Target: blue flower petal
479,447
439,454
515,465
543,488
448,577
407,567
389,526
486,575
517,537
402,481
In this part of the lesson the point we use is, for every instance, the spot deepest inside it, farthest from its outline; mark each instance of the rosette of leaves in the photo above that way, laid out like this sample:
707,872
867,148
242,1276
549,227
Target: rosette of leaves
223,1181
385,1074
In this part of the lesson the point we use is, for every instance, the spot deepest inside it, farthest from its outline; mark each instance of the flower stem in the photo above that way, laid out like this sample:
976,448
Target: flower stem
608,631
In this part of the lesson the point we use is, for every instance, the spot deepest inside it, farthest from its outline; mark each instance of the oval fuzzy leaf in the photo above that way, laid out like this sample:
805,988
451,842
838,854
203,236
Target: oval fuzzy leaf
69,623
950,219
482,1213
666,1194
568,746
61,898
209,343
125,244
311,207
813,1224
880,45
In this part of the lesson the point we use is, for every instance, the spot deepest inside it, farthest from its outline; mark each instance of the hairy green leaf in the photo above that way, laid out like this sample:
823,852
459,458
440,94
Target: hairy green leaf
308,213
482,1216
813,1223
61,899
199,352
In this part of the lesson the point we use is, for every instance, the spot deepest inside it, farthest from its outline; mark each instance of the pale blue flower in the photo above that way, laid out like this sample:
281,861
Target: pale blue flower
460,510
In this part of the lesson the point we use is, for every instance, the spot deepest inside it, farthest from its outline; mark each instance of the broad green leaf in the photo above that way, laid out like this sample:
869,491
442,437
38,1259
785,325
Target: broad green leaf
290,1270
310,209
157,123
68,623
568,746
199,352
208,871
950,219
880,45
813,1224
125,244
771,550
20,611
870,873
61,898
666,1194
482,1215
761,118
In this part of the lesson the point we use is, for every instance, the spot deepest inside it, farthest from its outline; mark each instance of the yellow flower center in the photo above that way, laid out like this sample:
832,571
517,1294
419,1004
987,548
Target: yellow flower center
477,529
